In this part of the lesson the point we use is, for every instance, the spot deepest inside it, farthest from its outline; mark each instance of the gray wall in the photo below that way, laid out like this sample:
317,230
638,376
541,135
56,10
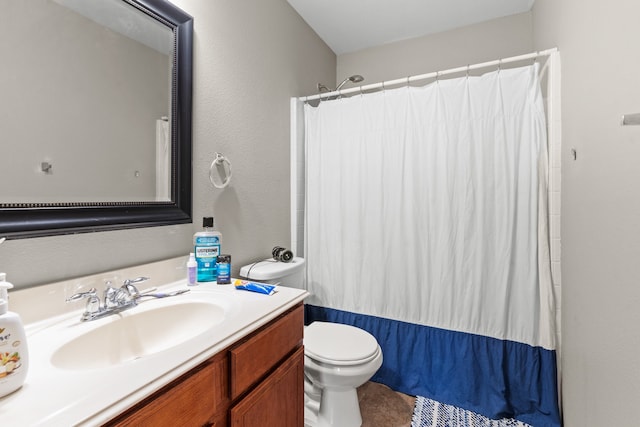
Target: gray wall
498,38
600,204
250,58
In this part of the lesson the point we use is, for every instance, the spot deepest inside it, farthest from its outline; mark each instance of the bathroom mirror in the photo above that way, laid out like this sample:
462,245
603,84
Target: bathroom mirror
95,116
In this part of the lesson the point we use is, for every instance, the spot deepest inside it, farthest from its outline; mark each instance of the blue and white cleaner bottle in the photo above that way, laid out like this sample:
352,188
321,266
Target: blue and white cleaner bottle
206,249
14,356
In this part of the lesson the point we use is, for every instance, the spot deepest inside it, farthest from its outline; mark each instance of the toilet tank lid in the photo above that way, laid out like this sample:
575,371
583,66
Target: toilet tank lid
270,269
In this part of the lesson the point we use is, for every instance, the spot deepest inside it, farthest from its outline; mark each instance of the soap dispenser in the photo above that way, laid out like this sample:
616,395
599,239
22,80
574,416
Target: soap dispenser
14,357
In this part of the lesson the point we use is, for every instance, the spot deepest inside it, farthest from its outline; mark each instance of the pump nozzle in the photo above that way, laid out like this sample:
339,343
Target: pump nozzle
4,286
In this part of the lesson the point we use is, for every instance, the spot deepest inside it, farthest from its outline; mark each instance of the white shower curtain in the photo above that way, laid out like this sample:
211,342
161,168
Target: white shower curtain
163,164
427,205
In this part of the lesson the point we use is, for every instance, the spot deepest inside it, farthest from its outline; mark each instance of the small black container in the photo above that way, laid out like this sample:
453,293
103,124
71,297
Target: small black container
224,269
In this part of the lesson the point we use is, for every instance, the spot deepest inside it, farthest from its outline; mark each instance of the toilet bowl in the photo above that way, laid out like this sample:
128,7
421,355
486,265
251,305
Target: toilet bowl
337,358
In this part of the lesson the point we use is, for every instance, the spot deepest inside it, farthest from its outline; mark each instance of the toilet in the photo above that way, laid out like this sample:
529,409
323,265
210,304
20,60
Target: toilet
337,358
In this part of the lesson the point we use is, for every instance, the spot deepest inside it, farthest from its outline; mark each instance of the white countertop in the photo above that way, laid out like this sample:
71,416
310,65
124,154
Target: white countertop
54,396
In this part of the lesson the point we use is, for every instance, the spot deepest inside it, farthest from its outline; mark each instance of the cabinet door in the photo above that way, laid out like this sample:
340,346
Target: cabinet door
199,398
278,401
254,357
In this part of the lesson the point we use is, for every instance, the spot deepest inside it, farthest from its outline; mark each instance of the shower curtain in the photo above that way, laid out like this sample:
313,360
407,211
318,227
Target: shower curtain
163,160
426,225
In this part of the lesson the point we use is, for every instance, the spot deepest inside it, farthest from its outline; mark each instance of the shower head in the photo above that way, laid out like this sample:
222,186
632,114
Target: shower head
356,78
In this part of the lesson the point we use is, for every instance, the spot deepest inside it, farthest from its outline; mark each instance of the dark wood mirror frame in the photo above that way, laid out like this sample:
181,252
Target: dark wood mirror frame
35,220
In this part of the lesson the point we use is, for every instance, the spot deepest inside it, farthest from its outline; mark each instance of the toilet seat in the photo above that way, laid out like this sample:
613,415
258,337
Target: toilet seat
339,344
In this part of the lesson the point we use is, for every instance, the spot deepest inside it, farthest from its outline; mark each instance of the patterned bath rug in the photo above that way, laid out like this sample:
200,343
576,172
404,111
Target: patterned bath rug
429,413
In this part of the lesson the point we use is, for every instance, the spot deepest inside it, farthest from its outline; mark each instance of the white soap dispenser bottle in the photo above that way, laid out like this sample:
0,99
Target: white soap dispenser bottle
192,270
14,356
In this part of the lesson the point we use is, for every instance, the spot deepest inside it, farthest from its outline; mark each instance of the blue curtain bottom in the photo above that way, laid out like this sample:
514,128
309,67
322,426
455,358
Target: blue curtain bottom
492,377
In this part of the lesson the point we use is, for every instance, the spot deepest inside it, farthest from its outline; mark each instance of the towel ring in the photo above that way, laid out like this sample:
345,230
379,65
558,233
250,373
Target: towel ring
217,165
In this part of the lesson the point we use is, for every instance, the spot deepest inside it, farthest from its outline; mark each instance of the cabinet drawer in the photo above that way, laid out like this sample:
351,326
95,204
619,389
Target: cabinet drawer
260,352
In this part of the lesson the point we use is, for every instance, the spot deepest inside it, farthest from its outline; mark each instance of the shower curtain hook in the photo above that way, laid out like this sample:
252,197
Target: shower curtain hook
499,65
467,70
437,76
408,81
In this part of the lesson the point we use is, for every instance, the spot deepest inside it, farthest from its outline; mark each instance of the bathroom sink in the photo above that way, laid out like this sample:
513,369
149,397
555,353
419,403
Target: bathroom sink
137,333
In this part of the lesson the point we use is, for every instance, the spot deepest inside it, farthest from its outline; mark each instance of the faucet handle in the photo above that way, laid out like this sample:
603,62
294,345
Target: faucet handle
93,303
136,280
131,289
91,293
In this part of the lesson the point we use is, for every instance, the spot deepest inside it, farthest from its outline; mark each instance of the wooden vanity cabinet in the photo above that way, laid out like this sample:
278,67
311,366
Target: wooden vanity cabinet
275,397
198,398
278,401
258,381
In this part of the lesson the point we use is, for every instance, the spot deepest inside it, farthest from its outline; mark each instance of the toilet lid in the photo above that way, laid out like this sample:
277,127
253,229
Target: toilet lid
339,344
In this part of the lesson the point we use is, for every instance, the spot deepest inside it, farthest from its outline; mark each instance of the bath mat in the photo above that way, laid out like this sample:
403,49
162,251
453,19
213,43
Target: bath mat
429,413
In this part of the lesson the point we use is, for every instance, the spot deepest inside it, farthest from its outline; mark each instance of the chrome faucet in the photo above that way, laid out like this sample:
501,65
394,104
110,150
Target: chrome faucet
115,300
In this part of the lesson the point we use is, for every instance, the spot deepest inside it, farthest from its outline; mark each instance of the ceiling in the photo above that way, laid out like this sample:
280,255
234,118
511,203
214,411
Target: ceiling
351,25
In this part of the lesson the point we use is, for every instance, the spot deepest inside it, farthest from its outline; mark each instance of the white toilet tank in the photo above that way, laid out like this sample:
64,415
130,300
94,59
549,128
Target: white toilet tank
270,271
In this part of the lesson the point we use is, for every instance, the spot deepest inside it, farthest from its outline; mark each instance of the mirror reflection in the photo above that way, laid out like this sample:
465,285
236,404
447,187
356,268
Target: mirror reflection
86,103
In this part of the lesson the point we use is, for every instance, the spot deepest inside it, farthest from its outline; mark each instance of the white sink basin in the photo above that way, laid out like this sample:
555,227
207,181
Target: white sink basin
136,333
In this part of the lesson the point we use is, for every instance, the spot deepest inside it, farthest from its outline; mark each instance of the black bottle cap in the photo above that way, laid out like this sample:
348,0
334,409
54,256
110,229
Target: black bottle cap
207,222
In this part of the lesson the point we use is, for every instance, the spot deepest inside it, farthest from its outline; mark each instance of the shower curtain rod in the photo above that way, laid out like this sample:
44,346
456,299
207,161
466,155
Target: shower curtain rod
436,74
